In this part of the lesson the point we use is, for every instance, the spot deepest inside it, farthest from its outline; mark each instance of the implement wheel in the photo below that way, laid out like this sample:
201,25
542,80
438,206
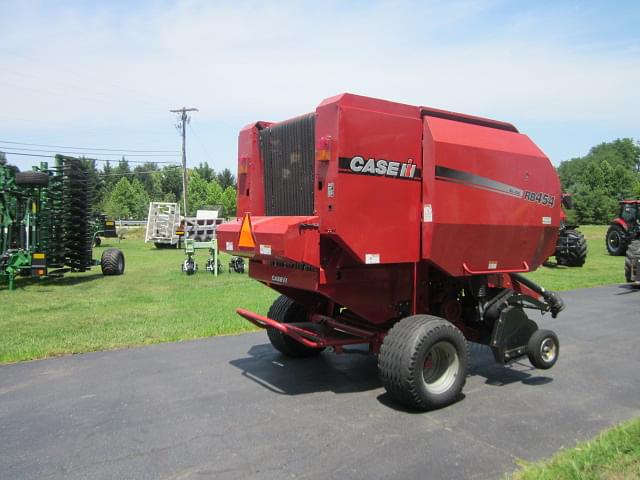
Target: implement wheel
633,253
616,240
423,362
32,179
572,249
112,262
285,310
544,349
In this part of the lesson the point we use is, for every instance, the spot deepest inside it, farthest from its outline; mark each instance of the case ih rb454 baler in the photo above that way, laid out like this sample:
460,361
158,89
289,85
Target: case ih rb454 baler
402,228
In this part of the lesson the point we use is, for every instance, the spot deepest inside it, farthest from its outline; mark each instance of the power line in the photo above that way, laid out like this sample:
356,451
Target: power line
204,149
134,94
29,154
100,153
133,173
90,148
89,158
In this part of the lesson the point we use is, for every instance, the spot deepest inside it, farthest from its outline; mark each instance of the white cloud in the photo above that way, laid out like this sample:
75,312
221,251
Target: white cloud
271,60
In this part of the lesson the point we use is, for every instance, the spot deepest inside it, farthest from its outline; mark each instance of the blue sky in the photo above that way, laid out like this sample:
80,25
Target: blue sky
105,74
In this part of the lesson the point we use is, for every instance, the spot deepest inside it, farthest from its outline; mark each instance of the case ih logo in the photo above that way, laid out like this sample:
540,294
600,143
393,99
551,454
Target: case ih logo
380,167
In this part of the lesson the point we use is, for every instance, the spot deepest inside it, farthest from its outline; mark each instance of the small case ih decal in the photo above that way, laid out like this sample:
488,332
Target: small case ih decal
380,167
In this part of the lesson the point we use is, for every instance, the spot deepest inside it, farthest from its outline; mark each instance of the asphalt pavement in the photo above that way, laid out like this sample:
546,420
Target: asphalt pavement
233,408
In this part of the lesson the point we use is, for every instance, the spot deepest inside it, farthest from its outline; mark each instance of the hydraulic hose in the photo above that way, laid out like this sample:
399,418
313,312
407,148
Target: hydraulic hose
556,304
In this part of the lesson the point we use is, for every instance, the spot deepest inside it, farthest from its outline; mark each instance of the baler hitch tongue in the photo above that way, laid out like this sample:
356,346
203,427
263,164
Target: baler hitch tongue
556,304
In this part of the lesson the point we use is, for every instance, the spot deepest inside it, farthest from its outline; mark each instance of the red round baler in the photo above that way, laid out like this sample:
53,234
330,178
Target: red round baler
403,228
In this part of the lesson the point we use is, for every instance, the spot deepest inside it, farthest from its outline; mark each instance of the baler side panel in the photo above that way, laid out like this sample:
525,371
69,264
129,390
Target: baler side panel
250,196
376,215
485,190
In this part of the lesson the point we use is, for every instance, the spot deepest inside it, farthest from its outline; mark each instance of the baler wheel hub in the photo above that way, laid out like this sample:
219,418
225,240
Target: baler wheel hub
548,350
441,367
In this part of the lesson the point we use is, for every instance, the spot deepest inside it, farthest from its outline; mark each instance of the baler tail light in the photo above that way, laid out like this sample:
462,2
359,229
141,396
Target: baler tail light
323,149
243,166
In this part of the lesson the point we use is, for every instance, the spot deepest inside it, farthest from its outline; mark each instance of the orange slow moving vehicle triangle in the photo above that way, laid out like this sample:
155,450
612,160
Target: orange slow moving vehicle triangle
246,233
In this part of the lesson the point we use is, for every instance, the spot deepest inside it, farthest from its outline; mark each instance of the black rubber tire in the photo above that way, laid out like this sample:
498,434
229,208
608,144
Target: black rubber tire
616,240
633,252
32,179
405,352
190,268
285,310
535,347
97,241
572,249
112,262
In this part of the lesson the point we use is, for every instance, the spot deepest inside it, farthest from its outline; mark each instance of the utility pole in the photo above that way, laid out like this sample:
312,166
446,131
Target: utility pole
183,119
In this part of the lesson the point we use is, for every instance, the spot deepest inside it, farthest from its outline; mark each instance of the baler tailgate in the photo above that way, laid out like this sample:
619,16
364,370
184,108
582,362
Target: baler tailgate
293,239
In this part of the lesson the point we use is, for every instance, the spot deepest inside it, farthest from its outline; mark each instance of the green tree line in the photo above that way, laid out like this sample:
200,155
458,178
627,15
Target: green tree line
122,192
608,173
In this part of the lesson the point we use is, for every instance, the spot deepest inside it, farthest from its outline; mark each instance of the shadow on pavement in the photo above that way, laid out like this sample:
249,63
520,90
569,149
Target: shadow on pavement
356,371
347,373
628,288
484,365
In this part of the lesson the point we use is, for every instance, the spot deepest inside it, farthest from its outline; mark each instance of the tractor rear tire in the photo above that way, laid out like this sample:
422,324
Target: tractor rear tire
112,262
616,240
573,251
285,310
32,179
633,253
423,362
543,349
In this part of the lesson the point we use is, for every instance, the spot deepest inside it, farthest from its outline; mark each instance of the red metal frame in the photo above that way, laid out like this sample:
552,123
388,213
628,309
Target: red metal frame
524,268
313,339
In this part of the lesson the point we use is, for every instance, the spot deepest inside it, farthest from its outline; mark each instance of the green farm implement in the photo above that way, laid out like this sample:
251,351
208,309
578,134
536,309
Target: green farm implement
189,266
103,226
46,224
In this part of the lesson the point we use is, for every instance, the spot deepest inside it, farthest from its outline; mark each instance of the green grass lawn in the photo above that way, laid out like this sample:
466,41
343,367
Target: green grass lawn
600,268
613,455
155,302
152,302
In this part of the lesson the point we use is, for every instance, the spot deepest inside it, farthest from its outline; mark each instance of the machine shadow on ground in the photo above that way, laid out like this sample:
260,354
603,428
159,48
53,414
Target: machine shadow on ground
48,284
484,365
627,288
347,373
357,371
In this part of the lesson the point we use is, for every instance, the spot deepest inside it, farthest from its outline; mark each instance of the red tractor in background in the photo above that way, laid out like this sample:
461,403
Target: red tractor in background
571,248
401,228
624,228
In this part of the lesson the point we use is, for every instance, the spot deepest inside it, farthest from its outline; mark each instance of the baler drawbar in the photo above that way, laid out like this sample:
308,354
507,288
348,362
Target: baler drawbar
402,228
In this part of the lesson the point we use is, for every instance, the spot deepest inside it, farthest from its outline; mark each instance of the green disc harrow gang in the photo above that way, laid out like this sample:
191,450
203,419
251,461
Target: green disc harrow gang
46,221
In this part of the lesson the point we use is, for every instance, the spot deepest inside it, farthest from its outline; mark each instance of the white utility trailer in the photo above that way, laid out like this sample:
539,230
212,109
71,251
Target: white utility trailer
163,223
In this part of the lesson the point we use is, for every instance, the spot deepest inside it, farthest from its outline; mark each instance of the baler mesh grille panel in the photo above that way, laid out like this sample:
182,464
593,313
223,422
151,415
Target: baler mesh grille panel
288,151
